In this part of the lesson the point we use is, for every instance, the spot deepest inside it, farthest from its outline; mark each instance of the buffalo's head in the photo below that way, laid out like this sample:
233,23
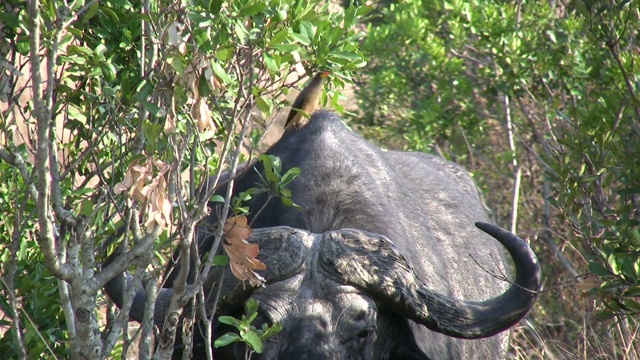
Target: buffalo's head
333,292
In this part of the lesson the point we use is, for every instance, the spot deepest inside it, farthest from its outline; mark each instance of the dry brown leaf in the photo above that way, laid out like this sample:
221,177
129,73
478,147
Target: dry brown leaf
169,125
588,283
201,114
237,227
149,188
242,254
212,80
124,184
134,180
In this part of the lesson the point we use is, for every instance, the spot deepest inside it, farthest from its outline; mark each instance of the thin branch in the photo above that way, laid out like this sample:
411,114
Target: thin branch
146,344
77,14
502,276
514,161
122,262
43,118
10,286
65,300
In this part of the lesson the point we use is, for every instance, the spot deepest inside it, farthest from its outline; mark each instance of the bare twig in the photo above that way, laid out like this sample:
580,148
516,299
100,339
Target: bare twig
14,304
514,161
502,276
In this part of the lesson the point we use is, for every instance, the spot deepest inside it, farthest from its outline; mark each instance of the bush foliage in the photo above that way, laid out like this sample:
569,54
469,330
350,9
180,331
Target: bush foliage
541,101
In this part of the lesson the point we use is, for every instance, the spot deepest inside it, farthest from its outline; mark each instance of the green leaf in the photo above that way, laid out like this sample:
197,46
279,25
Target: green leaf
627,267
632,292
598,269
220,260
177,64
307,29
272,330
152,108
226,339
253,9
345,55
287,202
279,37
108,71
265,105
242,197
285,47
217,198
349,16
75,113
285,192
241,210
100,50
23,45
629,191
268,163
9,20
86,207
220,73
82,191
241,32
290,175
80,50
251,306
90,13
271,63
110,14
215,6
301,38
224,54
253,340
615,267
631,305
152,131
230,320
364,10
144,89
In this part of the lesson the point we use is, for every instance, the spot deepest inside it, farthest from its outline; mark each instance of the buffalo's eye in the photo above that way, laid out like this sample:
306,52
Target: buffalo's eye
364,336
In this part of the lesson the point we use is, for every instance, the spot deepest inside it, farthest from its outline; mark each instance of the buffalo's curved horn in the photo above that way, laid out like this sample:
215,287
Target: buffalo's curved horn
281,250
373,263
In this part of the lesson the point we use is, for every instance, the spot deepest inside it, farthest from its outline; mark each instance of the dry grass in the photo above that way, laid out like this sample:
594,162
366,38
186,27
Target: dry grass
565,325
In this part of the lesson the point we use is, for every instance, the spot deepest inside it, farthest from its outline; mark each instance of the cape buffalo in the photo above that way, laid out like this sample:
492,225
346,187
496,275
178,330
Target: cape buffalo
381,262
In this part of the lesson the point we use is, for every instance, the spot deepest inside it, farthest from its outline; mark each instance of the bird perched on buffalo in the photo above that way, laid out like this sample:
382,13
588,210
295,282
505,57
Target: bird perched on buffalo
306,102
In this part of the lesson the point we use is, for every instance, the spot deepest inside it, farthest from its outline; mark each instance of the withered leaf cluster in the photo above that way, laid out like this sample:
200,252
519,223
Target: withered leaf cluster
242,254
145,182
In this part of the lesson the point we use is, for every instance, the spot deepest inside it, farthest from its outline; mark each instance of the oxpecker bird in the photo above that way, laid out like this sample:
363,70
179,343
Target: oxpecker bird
307,101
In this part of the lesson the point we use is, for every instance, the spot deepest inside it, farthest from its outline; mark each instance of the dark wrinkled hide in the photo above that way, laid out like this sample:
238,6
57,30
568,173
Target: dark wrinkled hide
357,294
